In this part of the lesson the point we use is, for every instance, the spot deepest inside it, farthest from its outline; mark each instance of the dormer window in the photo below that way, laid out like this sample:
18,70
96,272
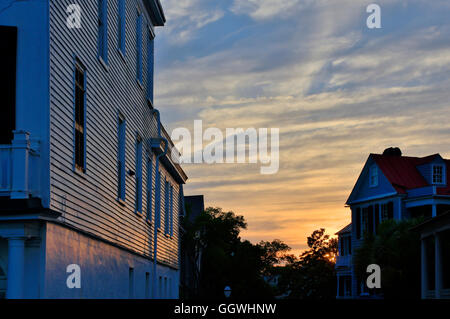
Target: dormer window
374,176
438,174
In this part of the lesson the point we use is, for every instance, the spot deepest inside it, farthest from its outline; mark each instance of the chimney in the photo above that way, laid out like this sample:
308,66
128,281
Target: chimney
392,151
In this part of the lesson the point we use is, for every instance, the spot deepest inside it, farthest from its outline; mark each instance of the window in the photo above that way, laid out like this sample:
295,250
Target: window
149,190
122,26
139,48
147,285
138,176
103,30
374,176
80,118
171,211
8,54
150,67
160,287
158,209
365,220
121,158
346,246
165,287
166,208
387,211
131,283
438,174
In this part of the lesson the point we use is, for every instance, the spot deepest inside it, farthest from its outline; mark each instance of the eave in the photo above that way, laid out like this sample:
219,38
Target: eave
156,12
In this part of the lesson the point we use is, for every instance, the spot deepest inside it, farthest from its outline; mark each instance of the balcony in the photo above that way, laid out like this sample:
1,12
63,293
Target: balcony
19,170
343,261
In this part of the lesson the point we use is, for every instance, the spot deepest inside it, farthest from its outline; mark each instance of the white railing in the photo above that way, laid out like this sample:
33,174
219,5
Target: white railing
19,170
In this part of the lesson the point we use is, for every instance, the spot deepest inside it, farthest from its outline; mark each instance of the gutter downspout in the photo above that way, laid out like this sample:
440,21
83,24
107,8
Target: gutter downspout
157,201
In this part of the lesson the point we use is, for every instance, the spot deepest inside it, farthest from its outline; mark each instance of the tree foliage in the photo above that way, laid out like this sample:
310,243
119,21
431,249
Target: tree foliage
312,275
250,270
396,249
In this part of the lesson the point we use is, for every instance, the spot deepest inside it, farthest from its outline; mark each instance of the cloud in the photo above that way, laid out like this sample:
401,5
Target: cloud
185,17
336,90
267,9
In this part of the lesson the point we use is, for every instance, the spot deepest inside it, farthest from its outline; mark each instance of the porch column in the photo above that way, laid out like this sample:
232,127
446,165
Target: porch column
20,152
438,266
16,260
434,211
424,270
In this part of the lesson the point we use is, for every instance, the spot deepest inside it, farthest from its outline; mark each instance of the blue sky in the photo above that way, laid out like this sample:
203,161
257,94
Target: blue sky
336,89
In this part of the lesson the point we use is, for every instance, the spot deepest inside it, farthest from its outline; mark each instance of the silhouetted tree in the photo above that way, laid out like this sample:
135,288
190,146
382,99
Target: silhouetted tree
312,276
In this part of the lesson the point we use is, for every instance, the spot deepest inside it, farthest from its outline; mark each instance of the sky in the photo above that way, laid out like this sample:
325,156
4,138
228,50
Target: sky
336,89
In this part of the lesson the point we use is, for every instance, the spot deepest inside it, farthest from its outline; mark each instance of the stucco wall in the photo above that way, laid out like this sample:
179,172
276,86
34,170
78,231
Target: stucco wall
104,268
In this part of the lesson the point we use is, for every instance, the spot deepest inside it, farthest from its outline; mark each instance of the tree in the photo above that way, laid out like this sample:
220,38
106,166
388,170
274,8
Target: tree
226,259
312,276
396,249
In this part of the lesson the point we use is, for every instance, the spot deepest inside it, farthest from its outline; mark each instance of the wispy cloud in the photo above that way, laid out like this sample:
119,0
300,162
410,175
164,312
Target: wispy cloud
336,90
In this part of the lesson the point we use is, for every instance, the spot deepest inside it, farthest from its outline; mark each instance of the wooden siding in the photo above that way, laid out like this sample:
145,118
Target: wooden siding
89,201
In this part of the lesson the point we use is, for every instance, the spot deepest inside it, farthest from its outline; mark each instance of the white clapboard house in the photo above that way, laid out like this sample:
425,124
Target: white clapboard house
89,197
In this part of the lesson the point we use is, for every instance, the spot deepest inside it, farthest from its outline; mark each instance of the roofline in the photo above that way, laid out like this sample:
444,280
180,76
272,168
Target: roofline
344,232
156,12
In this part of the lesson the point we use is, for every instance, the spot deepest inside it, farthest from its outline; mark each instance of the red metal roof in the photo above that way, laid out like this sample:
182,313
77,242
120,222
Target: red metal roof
402,172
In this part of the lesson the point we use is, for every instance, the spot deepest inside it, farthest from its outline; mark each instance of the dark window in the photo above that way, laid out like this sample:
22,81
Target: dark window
131,283
122,26
149,190
166,209
370,219
103,30
147,285
139,175
80,118
390,207
365,221
377,217
158,208
150,67
8,52
139,48
121,158
343,240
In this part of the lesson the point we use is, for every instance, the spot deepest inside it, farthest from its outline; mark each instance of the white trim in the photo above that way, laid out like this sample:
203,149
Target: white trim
372,198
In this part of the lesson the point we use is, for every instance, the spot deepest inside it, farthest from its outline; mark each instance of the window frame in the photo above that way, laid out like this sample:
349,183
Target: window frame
373,176
139,53
433,174
150,67
166,207
103,31
121,158
138,174
79,128
149,189
122,22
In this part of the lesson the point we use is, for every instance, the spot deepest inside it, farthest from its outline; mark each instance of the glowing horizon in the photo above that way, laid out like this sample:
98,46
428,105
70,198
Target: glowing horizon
337,90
